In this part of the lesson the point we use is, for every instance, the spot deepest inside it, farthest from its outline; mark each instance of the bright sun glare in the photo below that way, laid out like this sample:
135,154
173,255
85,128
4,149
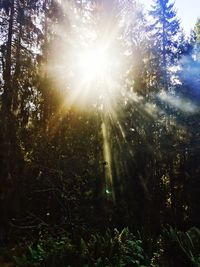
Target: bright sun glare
86,66
94,77
93,65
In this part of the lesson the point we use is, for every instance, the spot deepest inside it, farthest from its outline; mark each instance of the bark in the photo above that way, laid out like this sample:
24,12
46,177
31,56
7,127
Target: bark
7,98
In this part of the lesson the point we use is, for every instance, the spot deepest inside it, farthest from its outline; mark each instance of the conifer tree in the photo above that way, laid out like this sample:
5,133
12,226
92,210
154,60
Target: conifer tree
197,40
165,31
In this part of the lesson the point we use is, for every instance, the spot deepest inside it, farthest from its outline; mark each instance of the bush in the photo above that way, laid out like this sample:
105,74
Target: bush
120,249
176,248
114,249
109,250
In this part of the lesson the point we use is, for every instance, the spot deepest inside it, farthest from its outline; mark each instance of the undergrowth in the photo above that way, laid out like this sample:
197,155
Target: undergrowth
112,249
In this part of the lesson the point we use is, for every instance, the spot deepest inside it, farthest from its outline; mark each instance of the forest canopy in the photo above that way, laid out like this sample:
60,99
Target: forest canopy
99,131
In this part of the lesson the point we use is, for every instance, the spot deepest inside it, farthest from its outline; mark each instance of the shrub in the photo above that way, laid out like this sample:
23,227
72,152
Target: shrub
110,250
177,248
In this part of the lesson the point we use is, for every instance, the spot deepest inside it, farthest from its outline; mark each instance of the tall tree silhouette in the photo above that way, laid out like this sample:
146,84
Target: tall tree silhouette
164,33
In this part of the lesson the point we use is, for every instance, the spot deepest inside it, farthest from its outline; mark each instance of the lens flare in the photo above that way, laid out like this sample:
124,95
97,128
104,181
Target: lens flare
94,78
93,65
86,63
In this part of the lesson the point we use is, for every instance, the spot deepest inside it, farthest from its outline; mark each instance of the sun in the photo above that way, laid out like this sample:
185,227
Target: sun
94,76
94,65
86,65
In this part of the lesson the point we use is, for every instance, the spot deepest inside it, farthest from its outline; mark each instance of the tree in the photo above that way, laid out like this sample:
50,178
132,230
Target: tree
19,35
165,29
197,40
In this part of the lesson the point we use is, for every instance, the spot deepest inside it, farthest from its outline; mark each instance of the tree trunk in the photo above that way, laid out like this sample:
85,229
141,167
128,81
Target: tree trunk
7,100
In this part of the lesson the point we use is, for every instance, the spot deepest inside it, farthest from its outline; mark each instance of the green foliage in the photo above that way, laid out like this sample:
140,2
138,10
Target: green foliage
176,248
46,252
120,249
110,250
